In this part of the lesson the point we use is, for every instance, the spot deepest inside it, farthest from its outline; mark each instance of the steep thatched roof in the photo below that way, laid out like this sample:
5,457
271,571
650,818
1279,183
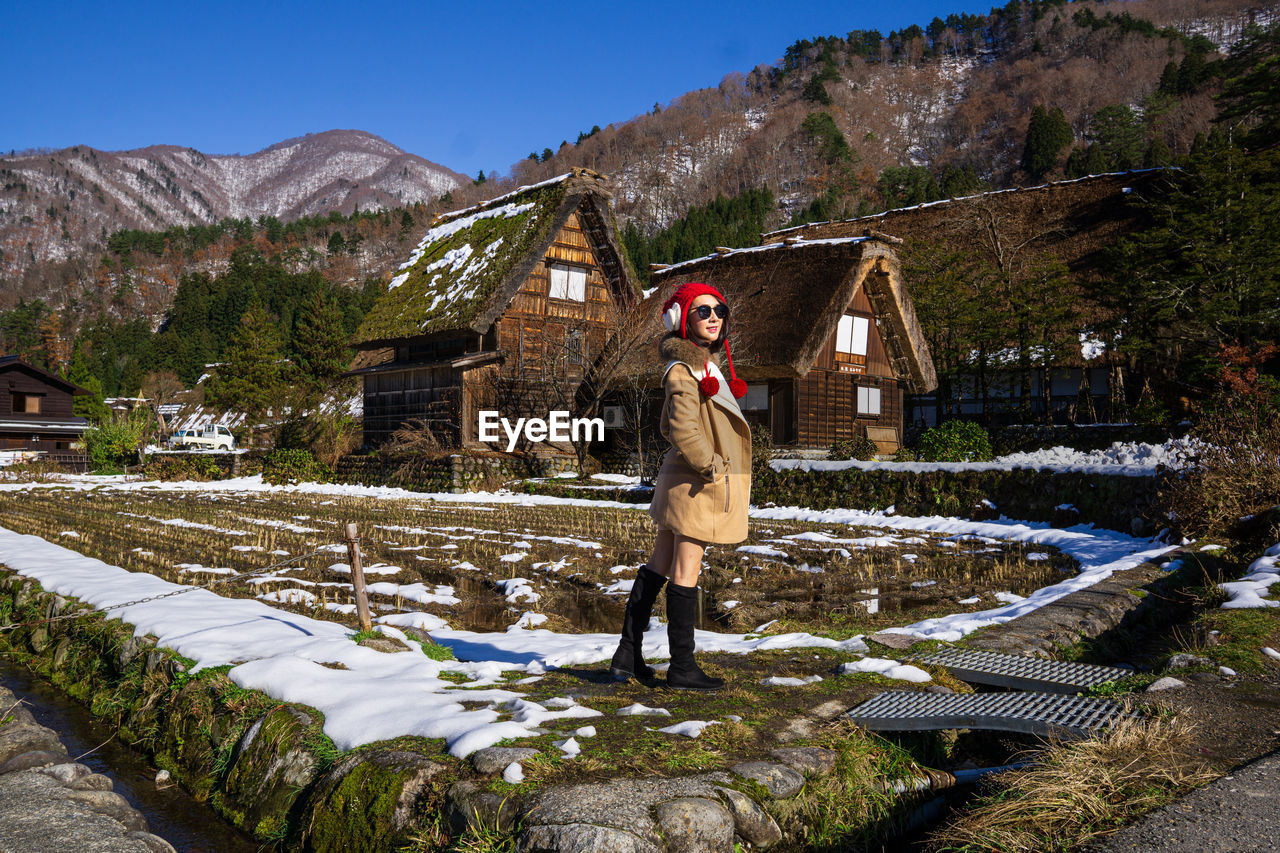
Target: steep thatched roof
468,267
1069,220
786,299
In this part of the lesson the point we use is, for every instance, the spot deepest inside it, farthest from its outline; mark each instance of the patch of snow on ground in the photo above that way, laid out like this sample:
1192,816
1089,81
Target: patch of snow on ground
1262,574
638,710
689,728
887,668
786,681
517,590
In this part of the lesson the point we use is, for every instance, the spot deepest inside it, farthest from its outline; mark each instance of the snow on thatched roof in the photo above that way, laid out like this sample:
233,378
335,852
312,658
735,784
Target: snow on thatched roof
471,262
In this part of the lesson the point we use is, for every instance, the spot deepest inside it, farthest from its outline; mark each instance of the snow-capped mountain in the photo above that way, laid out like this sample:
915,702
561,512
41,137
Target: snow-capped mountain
56,205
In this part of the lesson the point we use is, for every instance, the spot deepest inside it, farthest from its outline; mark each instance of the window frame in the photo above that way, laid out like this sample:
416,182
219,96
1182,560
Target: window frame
27,398
863,399
569,271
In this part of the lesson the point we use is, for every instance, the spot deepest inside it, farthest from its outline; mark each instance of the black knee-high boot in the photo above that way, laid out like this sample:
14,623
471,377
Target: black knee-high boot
628,660
682,605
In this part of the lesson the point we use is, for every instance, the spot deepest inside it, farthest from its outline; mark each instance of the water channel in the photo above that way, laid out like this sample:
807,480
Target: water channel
190,826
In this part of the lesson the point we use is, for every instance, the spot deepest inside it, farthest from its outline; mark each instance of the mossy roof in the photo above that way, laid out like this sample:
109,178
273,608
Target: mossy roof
470,263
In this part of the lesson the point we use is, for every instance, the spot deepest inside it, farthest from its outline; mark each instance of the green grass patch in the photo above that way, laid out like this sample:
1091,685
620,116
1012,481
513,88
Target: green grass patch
1242,633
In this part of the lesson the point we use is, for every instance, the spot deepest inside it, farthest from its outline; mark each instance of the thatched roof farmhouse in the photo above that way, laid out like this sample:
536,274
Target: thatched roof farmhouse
522,288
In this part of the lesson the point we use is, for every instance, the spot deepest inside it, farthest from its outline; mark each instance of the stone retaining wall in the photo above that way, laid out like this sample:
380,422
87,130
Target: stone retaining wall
267,767
51,804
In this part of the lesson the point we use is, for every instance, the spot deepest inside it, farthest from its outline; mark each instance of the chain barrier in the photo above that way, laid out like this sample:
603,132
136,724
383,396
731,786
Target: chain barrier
228,579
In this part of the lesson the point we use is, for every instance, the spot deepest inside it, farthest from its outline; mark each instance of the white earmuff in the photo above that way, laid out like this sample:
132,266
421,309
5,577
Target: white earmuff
671,317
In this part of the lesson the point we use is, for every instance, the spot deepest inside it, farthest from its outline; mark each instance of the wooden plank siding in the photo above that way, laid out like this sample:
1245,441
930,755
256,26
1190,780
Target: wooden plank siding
55,402
428,392
826,403
877,359
532,331
827,397
55,407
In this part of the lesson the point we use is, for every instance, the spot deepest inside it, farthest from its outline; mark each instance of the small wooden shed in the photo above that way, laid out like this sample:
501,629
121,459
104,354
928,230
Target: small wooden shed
36,408
823,332
503,305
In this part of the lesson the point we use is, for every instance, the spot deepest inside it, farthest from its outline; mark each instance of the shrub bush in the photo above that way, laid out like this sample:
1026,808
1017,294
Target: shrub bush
114,443
861,448
195,467
294,466
955,441
1235,472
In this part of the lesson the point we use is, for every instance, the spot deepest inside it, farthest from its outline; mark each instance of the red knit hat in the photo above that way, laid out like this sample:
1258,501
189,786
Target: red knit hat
675,313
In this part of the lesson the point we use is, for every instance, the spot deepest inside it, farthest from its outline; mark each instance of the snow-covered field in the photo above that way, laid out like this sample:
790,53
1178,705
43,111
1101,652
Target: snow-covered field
378,696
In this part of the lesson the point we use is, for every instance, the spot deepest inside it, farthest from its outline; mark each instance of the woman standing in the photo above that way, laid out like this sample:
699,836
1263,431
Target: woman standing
704,485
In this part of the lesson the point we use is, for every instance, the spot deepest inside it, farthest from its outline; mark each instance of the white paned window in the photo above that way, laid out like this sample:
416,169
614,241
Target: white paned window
851,335
568,283
868,401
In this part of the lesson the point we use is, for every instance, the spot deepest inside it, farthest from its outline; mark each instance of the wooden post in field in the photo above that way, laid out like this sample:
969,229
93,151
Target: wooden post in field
357,577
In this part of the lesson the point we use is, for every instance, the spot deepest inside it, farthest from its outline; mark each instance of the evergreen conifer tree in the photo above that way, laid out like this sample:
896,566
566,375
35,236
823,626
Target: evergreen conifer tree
1047,134
250,375
320,340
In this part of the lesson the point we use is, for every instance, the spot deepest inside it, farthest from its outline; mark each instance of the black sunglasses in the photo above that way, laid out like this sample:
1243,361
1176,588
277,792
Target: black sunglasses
703,312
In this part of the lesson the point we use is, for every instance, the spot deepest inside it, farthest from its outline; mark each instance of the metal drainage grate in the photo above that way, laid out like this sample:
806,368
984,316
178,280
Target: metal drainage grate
1020,672
1041,714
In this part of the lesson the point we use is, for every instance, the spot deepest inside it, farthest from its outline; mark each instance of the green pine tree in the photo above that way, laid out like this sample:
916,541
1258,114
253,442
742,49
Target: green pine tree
320,340
92,405
1207,271
250,376
1048,133
1251,92
1118,133
337,243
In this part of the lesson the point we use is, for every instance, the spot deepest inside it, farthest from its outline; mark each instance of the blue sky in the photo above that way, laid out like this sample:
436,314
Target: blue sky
469,85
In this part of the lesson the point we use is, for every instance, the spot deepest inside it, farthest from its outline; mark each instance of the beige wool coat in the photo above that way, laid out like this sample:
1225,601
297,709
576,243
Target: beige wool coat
704,485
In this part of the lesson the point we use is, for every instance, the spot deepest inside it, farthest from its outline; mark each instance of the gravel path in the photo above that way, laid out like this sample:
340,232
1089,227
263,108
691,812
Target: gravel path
1238,812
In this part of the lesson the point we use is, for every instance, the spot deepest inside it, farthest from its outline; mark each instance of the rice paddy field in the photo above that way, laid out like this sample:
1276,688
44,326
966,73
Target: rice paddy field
482,567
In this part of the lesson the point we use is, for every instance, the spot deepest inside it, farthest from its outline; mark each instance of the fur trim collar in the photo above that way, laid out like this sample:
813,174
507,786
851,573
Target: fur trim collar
675,348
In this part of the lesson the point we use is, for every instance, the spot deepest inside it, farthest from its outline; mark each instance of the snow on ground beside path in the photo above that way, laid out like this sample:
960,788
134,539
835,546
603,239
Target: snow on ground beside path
1263,573
887,668
377,696
689,728
1135,459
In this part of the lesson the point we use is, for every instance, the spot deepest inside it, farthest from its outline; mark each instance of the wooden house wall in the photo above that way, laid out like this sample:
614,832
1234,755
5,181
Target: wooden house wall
826,403
56,402
55,405
532,330
393,397
877,359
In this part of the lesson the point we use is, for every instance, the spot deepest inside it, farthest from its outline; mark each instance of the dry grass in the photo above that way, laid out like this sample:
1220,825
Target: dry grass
1082,789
